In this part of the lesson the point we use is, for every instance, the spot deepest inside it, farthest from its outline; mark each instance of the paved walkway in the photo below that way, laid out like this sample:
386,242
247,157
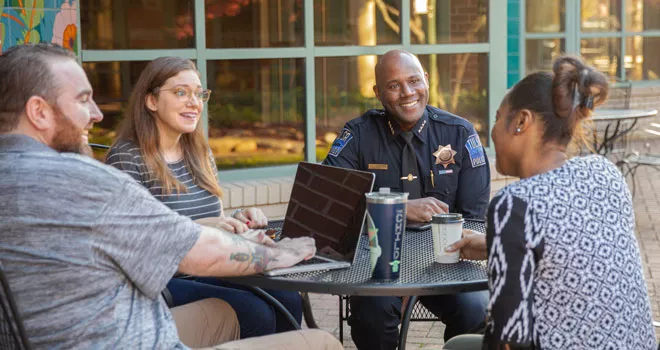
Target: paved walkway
428,335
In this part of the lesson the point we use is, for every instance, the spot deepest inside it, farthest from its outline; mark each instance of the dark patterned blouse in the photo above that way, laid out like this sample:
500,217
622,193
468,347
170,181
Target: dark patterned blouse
564,265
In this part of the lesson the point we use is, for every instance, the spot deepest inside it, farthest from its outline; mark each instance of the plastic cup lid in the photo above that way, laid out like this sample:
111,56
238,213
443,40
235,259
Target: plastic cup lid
386,198
449,218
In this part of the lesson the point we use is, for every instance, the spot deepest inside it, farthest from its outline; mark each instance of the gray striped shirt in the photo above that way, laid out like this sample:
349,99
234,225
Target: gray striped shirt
196,203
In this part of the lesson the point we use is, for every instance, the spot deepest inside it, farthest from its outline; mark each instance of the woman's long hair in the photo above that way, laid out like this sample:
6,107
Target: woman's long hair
139,126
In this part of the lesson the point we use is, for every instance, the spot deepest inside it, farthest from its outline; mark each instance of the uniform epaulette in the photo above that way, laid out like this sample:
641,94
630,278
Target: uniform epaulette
367,117
438,115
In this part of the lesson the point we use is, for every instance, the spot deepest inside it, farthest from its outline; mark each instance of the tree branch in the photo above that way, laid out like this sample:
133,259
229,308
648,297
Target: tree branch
386,16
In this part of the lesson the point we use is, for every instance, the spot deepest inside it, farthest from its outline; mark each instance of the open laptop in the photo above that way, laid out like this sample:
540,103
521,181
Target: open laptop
328,204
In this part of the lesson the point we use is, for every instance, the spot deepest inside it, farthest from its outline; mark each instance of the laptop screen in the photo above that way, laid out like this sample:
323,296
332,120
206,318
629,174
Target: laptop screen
328,204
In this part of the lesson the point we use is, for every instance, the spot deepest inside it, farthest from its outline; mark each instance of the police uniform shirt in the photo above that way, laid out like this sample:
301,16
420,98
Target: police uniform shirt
459,176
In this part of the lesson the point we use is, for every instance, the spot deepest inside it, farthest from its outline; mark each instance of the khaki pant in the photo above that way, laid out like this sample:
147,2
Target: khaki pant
210,322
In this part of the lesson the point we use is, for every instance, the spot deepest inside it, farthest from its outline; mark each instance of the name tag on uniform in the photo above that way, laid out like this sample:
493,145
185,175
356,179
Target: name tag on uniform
443,172
377,166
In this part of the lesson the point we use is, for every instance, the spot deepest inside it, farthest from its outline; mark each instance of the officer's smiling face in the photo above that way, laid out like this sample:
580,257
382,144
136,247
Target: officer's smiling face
402,87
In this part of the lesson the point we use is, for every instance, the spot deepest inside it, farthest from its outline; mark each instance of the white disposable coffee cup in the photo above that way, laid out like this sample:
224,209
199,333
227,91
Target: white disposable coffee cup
447,229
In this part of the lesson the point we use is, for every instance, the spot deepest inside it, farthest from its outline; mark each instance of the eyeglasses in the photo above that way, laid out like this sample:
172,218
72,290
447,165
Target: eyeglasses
184,94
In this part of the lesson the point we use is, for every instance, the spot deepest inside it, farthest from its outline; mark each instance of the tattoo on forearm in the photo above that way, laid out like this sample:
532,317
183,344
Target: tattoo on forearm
259,257
242,257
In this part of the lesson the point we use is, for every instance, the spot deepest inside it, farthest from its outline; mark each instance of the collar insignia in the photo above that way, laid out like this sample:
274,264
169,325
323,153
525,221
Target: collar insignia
390,125
421,127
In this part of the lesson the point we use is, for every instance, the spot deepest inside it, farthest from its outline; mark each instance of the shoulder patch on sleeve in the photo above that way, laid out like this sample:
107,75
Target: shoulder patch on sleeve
340,142
477,156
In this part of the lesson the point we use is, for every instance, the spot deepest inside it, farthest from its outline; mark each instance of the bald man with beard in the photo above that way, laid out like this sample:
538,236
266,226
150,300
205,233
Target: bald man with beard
449,172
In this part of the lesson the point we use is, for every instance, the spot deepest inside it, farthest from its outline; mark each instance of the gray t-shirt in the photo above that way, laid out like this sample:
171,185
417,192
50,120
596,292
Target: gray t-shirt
79,249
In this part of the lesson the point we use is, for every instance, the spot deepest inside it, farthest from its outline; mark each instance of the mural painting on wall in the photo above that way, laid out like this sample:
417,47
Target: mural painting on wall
28,21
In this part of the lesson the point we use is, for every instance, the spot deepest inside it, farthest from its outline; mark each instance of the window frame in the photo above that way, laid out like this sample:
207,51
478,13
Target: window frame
495,48
573,35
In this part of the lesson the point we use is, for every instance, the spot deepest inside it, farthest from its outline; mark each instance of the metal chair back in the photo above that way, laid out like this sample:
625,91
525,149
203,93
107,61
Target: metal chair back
620,92
619,95
12,331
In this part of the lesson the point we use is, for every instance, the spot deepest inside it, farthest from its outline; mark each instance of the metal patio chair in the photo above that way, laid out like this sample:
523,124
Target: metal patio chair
12,330
419,313
650,157
619,95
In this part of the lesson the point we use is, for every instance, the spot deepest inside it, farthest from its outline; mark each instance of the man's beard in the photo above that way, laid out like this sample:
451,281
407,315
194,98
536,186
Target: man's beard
68,137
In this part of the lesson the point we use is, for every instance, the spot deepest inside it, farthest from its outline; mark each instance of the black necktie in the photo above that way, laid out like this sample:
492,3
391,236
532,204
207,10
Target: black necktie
409,171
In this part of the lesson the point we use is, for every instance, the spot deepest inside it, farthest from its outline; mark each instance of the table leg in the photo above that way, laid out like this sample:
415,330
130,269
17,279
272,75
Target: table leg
405,322
608,140
275,303
307,311
342,316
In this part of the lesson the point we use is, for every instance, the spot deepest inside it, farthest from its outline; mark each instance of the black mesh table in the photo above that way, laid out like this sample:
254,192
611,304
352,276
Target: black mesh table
419,275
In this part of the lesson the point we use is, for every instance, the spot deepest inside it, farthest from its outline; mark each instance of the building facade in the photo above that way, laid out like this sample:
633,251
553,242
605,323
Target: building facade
287,74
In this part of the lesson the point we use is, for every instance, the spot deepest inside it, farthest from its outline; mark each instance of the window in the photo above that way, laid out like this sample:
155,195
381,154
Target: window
456,22
546,20
287,75
642,15
618,37
356,22
256,112
112,83
147,24
344,90
540,53
459,84
545,16
244,23
641,58
603,53
600,15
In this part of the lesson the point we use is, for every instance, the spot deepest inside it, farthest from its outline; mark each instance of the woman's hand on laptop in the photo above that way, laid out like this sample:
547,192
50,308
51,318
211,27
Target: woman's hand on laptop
252,217
225,223
289,252
258,236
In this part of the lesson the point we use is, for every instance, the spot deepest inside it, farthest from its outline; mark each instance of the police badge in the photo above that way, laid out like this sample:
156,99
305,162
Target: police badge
444,155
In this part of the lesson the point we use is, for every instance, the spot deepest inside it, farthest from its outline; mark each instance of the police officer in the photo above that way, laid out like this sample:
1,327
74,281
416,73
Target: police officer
438,159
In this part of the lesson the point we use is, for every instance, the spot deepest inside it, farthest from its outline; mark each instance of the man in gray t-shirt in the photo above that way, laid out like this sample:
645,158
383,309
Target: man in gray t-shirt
80,234
85,248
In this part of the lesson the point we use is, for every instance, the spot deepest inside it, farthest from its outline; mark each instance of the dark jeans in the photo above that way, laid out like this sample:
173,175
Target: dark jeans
255,316
374,321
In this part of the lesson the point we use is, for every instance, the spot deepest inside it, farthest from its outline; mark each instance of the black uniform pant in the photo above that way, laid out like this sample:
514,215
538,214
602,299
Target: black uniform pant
374,321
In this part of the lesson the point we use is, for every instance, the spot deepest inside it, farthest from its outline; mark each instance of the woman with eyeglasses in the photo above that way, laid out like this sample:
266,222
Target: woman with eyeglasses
162,146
